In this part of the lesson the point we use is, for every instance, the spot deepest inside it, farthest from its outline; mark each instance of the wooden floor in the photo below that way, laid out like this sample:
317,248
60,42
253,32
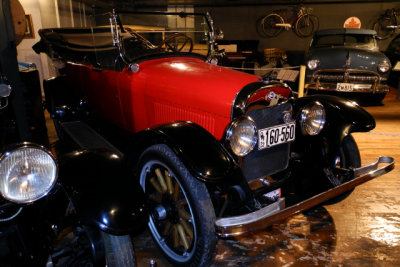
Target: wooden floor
362,230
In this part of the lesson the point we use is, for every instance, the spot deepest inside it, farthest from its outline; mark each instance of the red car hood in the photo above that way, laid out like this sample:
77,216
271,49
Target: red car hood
190,82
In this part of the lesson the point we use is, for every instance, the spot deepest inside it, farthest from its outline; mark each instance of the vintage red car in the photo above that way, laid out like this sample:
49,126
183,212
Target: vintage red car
217,151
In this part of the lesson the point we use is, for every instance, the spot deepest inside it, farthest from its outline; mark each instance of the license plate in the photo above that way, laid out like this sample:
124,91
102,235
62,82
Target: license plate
276,135
345,87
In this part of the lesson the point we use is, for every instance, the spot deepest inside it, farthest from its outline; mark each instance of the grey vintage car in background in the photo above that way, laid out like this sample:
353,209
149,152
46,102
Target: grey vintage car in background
348,63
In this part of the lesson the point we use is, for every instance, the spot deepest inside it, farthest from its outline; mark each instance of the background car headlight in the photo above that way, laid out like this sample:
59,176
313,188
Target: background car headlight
312,64
312,118
242,136
27,174
384,66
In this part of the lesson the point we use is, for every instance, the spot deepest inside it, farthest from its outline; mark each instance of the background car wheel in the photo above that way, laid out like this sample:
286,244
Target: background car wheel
182,216
86,246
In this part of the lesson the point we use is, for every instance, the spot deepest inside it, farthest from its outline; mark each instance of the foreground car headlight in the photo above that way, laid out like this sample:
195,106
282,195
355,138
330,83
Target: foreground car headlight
27,174
242,136
384,66
313,64
312,118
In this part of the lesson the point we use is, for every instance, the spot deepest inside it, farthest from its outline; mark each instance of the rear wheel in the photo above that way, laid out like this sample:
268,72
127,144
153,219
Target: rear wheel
181,213
304,26
269,25
381,28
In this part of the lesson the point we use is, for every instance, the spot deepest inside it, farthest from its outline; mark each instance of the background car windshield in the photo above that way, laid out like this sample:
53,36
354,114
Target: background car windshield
349,40
149,34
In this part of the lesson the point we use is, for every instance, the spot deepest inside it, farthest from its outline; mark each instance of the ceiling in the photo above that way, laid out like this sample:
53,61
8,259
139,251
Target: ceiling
136,4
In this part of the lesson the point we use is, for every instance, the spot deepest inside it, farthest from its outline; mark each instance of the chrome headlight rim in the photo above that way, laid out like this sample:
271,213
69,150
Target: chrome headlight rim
312,64
312,129
27,145
384,66
230,135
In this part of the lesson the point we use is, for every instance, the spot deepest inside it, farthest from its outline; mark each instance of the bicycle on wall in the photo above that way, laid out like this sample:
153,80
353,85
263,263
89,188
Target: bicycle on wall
387,24
298,18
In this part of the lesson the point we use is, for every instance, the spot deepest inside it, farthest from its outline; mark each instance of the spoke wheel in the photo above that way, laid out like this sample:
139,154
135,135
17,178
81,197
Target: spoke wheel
268,25
177,42
304,26
182,217
381,28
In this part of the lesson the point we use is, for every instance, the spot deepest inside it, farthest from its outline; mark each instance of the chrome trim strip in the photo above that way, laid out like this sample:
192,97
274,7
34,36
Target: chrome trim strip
238,225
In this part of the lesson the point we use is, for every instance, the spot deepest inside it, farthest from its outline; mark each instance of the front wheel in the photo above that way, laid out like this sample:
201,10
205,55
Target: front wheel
181,213
86,246
349,157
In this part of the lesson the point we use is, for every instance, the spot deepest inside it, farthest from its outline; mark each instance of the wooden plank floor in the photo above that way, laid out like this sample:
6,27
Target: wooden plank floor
362,230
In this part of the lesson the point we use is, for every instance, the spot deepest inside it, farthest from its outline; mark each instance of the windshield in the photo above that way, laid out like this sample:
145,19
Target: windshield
155,33
347,40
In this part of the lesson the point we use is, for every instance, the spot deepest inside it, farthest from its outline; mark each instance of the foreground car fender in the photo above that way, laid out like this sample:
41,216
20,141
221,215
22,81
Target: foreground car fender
343,117
204,156
103,192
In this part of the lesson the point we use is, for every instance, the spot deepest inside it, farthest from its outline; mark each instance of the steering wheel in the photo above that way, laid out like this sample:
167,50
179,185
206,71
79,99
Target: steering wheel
171,42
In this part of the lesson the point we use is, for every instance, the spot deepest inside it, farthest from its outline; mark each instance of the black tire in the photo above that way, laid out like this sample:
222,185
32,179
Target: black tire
380,26
181,212
119,250
304,26
268,25
349,157
86,246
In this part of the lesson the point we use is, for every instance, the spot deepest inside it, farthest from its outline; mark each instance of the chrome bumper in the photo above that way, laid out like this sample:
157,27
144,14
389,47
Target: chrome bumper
237,225
358,88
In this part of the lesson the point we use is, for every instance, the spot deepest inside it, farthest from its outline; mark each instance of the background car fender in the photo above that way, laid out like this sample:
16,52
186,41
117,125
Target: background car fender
203,155
103,192
342,118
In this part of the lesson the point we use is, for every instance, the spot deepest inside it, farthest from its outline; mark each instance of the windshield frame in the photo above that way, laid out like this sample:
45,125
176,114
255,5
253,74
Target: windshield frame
117,24
372,45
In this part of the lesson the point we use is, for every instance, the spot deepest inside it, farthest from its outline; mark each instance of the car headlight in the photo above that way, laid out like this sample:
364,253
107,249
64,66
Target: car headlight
312,118
242,136
313,64
27,173
384,66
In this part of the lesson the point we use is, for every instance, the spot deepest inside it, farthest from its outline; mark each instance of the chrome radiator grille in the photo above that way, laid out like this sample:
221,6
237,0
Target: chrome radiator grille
346,76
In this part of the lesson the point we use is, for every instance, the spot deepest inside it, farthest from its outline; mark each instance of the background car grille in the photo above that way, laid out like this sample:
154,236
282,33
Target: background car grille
260,163
351,76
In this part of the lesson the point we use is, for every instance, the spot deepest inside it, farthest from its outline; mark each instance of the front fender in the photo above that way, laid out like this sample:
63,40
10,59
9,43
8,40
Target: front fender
342,118
202,154
103,192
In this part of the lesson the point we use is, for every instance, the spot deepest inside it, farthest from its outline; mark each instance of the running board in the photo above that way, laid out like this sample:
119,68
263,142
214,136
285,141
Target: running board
238,225
86,137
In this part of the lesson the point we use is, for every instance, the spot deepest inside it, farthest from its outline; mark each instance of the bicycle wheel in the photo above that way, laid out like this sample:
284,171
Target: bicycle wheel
268,25
381,28
304,26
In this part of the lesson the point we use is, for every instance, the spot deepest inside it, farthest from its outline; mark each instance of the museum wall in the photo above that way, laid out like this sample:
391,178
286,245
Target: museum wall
240,22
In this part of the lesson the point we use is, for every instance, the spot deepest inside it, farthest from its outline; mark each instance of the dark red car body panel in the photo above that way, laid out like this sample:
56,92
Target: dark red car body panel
162,91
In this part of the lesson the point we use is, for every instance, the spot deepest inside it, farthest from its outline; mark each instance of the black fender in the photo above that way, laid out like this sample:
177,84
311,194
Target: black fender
103,191
203,155
342,118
